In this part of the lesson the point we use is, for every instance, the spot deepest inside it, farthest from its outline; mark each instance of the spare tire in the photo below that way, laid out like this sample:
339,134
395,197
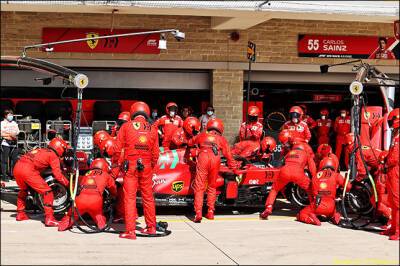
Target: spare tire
56,109
106,110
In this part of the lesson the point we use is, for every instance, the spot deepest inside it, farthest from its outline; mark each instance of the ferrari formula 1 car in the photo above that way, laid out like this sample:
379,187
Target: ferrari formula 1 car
175,172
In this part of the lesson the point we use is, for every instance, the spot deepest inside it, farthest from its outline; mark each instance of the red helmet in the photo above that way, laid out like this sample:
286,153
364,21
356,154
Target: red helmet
394,118
100,163
324,149
169,105
349,138
284,136
268,144
296,109
126,116
140,108
59,146
324,111
191,124
100,136
329,162
108,146
253,111
215,124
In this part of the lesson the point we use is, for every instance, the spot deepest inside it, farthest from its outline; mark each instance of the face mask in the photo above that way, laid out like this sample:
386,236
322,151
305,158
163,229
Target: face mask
295,120
10,118
210,113
154,114
323,117
172,113
343,115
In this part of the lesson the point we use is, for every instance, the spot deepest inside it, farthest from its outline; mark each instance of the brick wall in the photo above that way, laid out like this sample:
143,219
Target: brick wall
227,99
276,39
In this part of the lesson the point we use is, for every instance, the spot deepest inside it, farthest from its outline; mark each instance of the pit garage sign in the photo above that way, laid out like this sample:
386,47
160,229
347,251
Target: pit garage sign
143,44
364,47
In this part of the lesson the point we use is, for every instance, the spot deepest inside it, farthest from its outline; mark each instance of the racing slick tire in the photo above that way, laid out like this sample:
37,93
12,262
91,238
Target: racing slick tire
61,196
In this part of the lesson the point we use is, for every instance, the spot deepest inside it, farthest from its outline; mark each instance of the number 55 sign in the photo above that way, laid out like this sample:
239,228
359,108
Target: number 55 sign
336,46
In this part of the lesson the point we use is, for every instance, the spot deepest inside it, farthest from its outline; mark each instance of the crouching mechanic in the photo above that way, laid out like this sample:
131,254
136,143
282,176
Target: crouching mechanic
323,187
296,160
27,174
90,195
141,150
210,143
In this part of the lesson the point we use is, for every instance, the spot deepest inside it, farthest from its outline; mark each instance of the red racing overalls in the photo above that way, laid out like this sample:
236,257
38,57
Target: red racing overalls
324,186
249,139
323,129
27,174
299,130
392,164
208,163
139,141
168,125
90,198
341,127
296,161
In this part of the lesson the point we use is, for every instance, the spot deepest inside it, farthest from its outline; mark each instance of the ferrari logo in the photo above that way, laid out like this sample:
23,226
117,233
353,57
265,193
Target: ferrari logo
89,172
92,43
319,174
142,139
367,115
239,178
34,151
136,125
323,185
177,186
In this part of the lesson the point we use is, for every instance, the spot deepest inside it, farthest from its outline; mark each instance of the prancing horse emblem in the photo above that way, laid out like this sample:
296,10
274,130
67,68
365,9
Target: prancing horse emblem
92,43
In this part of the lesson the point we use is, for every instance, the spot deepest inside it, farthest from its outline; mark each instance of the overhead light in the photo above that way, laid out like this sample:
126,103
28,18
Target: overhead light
162,43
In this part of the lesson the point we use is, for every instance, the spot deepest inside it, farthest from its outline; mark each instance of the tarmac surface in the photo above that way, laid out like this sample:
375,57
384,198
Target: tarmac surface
233,238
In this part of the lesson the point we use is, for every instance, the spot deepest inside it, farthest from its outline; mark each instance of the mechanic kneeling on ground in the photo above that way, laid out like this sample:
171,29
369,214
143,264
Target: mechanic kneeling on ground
324,186
139,140
27,174
90,195
210,143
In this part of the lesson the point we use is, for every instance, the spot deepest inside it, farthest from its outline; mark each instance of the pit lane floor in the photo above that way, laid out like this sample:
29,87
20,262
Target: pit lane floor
230,239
